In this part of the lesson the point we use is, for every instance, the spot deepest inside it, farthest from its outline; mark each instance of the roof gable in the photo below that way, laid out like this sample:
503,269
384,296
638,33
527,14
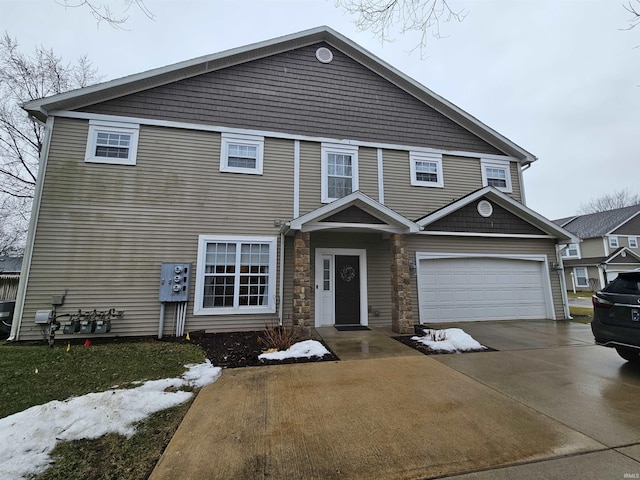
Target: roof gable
513,218
209,63
601,223
293,92
361,212
623,255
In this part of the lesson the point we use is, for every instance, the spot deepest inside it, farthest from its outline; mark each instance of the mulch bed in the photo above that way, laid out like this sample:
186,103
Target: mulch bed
422,348
241,349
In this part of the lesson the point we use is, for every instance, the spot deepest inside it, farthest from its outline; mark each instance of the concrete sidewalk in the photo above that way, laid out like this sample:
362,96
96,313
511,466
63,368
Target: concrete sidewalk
390,418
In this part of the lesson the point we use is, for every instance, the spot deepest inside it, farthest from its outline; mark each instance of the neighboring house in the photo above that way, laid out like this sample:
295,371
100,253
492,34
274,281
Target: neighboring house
302,178
9,276
609,246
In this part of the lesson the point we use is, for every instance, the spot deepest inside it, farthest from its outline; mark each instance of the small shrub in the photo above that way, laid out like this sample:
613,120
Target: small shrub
279,337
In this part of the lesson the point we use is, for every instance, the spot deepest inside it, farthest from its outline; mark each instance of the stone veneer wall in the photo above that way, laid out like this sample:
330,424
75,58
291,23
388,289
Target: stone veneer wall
401,311
301,308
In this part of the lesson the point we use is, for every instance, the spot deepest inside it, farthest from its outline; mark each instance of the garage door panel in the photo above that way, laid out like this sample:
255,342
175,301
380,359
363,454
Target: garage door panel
465,289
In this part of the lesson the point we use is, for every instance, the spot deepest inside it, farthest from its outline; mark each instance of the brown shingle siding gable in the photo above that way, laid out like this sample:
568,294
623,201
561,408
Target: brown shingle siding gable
294,93
467,219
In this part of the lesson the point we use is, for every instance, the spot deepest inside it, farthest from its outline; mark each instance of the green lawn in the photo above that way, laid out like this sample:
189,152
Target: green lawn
36,374
580,294
581,314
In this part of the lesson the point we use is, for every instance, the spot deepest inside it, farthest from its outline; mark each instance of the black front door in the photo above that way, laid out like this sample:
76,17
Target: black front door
347,291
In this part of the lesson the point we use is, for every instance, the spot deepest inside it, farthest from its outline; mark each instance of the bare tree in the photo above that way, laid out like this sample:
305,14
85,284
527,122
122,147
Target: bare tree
634,10
116,16
617,199
422,16
23,78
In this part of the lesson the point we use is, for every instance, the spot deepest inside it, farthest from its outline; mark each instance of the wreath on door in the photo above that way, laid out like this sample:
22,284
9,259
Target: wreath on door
347,273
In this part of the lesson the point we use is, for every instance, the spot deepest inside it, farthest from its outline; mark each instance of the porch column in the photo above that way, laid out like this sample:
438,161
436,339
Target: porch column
301,311
401,314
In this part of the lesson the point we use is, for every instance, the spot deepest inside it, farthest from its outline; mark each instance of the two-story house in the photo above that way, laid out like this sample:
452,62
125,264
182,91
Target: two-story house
302,178
609,245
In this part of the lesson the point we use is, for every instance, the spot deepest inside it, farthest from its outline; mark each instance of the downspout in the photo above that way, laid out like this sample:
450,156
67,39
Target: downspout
522,192
281,293
31,234
563,282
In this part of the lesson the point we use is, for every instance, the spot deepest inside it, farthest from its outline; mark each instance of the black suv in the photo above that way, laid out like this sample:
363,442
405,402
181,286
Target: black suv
616,316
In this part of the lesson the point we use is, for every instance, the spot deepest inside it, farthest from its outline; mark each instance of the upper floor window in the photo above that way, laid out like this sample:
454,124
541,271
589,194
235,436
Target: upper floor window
339,171
613,242
112,142
426,169
235,275
571,251
581,277
633,242
496,173
241,153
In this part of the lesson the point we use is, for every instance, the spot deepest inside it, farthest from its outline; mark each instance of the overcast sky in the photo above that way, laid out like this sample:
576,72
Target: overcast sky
560,78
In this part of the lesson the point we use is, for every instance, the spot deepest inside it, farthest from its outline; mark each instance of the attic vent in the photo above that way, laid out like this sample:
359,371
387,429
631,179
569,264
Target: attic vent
324,55
485,209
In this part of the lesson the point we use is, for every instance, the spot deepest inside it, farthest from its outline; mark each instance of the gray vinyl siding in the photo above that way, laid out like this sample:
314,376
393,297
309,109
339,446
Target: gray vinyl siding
293,92
368,171
480,245
461,175
104,230
310,176
592,247
378,264
592,274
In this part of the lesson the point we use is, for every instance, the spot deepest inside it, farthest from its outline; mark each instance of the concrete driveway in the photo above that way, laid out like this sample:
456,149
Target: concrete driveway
547,404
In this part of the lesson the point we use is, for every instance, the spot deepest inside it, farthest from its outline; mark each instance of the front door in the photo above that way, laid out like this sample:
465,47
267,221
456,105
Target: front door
347,290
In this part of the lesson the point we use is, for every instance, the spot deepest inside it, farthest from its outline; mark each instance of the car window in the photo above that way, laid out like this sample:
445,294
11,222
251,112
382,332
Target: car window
625,285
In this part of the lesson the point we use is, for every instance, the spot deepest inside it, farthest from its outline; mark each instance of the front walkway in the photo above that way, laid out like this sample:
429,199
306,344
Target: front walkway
364,344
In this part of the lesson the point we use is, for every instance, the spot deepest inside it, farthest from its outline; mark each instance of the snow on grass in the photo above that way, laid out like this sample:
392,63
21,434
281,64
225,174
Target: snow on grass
449,340
29,436
306,349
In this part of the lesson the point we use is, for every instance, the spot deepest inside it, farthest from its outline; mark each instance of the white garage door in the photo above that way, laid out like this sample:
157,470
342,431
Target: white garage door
469,289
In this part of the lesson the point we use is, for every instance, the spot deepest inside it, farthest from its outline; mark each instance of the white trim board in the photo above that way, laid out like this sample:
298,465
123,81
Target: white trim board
274,134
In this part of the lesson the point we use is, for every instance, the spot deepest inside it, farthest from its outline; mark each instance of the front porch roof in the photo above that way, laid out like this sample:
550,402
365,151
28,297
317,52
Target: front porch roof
385,219
508,203
622,256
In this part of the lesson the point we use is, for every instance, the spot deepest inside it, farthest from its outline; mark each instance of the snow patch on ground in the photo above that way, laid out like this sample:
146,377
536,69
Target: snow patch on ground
306,349
28,437
449,340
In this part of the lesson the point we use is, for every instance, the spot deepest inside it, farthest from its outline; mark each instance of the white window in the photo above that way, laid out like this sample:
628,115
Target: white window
633,242
581,277
235,275
613,242
339,171
426,169
496,173
241,153
112,142
571,251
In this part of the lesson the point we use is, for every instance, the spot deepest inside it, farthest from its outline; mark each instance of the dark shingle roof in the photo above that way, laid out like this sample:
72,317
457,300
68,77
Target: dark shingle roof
598,224
10,264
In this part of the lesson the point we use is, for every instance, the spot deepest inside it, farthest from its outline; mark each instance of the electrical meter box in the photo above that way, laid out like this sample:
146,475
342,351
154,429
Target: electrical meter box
174,282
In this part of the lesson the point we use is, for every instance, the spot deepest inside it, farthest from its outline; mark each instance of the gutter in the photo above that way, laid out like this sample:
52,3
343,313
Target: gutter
31,235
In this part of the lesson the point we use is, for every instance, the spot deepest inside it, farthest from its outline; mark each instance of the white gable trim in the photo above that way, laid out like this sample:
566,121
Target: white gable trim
397,222
274,134
510,204
626,221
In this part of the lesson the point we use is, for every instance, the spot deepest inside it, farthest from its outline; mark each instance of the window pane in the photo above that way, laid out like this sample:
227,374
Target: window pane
338,187
254,281
242,156
496,177
112,145
426,171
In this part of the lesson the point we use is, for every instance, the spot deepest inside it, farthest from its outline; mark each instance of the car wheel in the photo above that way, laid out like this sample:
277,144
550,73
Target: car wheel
629,354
